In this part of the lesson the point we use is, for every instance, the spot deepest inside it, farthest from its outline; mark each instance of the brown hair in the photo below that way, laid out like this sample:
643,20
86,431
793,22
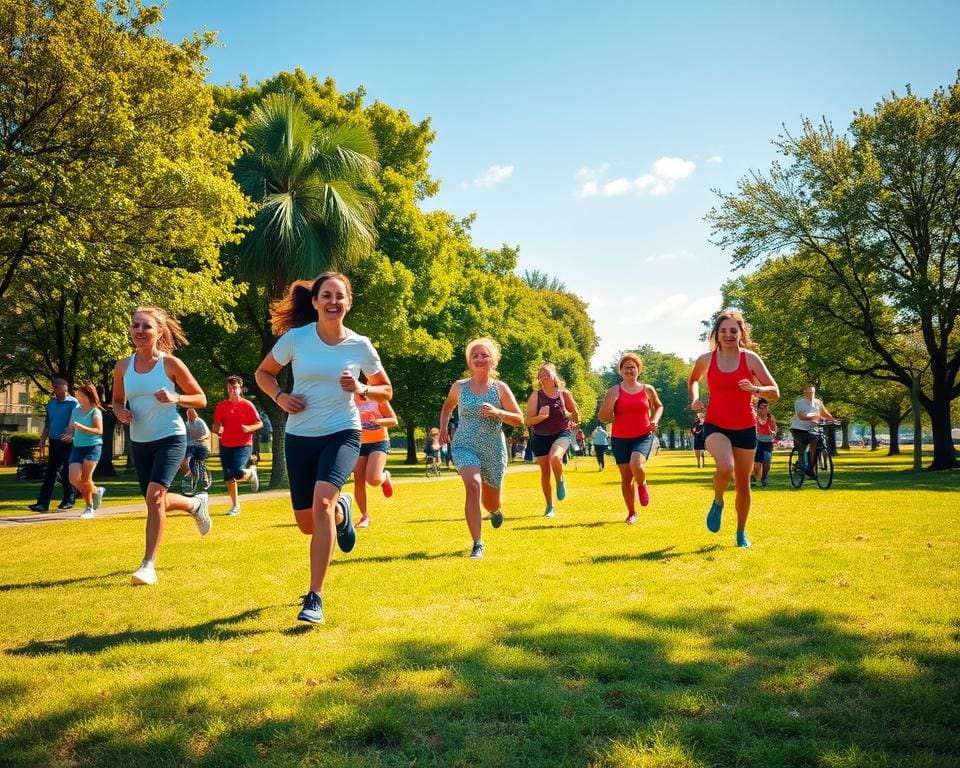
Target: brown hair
296,308
235,378
491,346
730,314
170,334
90,392
631,356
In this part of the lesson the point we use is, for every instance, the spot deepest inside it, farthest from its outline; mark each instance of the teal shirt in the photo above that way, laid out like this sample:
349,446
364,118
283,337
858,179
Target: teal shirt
83,439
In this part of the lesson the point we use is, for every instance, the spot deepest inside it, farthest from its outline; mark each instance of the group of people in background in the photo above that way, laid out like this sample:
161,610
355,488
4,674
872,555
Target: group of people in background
338,414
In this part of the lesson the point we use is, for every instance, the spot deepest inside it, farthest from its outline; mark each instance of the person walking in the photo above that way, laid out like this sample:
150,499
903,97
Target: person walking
323,429
236,420
550,409
484,404
198,449
370,469
636,410
766,432
59,410
735,374
696,429
145,398
600,442
85,434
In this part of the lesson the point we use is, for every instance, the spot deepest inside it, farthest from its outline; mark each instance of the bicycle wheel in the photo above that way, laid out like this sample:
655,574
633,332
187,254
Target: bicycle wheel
795,468
824,472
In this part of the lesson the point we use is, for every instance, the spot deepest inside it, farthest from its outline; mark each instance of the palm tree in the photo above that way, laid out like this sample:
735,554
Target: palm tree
312,213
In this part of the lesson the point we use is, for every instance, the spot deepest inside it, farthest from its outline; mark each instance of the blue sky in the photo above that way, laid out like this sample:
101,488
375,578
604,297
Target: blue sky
591,134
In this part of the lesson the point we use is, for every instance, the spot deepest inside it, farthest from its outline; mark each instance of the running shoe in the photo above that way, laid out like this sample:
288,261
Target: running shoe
713,517
312,610
98,497
87,514
346,533
561,490
233,511
144,576
254,479
496,518
632,518
386,485
477,552
201,515
643,493
548,512
364,521
742,540
65,505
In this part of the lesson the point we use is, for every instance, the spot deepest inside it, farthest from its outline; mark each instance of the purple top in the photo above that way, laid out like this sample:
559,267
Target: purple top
557,421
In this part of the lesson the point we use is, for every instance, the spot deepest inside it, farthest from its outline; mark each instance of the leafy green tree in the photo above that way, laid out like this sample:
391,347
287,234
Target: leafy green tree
875,212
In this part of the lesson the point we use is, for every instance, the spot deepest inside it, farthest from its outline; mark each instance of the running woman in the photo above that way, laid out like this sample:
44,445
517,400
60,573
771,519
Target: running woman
479,450
735,375
323,432
550,410
636,410
86,433
370,469
145,398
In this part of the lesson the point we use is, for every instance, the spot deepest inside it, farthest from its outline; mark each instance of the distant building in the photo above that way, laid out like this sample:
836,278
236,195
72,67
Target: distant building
16,412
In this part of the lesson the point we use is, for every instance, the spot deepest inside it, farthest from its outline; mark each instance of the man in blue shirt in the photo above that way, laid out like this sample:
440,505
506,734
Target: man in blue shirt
59,410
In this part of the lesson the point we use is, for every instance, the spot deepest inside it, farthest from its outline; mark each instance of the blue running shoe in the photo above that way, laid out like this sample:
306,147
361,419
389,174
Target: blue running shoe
477,552
561,490
742,540
346,533
713,517
312,610
548,512
496,518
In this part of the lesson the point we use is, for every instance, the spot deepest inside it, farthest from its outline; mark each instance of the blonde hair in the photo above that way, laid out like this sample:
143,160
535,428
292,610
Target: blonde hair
492,347
170,334
557,378
730,314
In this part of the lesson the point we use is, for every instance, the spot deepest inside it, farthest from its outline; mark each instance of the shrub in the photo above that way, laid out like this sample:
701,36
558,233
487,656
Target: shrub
23,444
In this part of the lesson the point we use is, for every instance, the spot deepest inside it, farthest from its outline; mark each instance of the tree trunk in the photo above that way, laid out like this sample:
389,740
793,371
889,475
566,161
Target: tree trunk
893,424
845,435
944,454
874,445
411,446
278,420
105,466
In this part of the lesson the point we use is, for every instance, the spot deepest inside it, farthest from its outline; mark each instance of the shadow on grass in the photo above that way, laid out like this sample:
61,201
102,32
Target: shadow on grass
693,688
216,629
667,553
410,556
62,582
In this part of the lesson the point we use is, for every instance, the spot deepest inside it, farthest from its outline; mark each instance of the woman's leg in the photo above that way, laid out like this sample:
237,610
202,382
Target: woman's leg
767,457
360,484
743,464
627,489
320,523
75,473
471,507
86,487
638,468
718,446
376,463
556,462
544,463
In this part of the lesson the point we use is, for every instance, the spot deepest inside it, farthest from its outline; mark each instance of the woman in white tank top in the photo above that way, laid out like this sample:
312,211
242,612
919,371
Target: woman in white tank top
145,397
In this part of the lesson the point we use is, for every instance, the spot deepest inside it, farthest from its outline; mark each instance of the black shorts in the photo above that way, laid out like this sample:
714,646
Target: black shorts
764,450
541,444
802,437
623,447
739,438
698,441
326,459
158,460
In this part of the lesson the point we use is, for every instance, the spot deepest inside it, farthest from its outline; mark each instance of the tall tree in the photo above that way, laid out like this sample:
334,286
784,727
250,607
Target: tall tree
875,211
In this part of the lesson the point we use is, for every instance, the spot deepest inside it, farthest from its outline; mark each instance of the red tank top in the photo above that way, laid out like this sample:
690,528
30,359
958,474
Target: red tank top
729,406
631,414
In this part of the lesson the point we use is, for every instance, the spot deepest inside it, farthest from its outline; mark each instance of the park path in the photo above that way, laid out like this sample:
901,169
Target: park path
56,516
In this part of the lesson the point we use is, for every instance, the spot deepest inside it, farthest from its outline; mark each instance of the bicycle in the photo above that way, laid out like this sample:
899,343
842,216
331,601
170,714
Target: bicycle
198,469
433,466
822,472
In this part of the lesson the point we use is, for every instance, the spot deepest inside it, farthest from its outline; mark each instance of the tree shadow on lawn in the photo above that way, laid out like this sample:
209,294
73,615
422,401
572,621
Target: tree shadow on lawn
63,582
410,556
666,553
692,688
215,629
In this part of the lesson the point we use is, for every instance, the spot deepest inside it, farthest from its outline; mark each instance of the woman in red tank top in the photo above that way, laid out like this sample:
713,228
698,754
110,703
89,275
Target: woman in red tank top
630,404
735,375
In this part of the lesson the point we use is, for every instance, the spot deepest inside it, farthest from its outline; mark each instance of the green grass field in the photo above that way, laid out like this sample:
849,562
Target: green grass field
577,641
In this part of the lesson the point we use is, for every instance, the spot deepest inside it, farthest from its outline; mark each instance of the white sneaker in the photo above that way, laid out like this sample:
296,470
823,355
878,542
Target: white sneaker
202,517
233,511
98,498
87,513
144,576
254,479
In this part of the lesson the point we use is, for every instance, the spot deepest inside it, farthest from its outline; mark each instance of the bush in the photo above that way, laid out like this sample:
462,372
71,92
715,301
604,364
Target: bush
23,444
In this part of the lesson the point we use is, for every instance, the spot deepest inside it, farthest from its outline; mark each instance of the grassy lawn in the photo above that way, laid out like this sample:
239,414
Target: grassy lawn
577,641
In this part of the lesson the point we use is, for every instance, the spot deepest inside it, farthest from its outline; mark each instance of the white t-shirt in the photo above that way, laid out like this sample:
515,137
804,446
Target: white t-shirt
316,378
803,405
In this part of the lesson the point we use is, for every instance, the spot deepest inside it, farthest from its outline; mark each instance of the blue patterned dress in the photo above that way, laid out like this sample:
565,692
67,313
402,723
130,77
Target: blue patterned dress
478,441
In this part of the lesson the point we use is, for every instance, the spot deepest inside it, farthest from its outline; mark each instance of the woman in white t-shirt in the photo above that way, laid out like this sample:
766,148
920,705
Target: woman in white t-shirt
323,425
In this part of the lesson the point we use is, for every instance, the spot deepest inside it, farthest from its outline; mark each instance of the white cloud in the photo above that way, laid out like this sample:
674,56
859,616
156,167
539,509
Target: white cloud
661,180
494,175
664,257
715,159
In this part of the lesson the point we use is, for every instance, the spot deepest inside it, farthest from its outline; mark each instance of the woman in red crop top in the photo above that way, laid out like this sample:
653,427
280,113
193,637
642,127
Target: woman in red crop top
735,375
630,404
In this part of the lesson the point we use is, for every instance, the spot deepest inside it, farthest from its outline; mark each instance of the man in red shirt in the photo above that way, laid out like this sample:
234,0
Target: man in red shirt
235,420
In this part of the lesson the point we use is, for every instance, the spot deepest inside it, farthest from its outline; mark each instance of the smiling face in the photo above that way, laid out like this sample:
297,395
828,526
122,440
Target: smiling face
546,377
332,301
234,390
144,330
82,398
481,358
728,334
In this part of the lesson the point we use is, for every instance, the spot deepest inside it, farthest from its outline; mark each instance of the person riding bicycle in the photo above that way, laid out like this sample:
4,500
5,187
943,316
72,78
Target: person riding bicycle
808,411
431,447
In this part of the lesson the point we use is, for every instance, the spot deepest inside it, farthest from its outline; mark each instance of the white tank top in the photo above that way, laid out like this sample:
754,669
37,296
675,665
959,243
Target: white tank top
152,420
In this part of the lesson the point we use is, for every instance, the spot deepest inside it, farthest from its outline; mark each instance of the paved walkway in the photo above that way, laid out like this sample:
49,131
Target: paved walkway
54,515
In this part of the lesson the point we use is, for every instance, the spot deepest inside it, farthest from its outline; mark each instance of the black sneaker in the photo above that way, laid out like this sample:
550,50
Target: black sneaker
65,505
346,533
477,552
37,508
312,610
